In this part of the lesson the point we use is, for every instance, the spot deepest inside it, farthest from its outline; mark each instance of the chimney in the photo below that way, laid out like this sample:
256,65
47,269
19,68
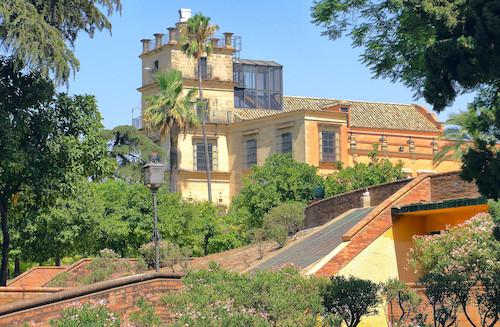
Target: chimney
184,15
171,35
214,41
158,37
145,45
228,39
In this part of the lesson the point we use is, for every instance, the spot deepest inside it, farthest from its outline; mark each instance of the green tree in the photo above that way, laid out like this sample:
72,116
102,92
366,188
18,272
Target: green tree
280,179
460,136
350,298
131,149
47,143
362,175
66,228
195,33
437,48
41,33
171,112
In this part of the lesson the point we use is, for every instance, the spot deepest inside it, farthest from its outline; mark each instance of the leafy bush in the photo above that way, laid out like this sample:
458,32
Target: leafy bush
362,175
216,297
169,254
102,268
145,316
280,179
454,261
283,220
93,313
350,298
408,301
59,280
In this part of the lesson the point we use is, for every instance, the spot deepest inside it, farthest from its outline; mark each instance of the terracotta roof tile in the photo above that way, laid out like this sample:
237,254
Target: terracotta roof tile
362,113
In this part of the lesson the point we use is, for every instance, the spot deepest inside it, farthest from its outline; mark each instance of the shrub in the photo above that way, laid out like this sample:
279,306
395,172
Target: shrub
216,297
283,220
408,301
350,298
169,254
145,316
93,313
59,280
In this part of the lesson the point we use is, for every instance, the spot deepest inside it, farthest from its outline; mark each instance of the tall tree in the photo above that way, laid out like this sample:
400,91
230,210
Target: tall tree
171,112
196,32
47,143
439,49
42,33
462,135
131,149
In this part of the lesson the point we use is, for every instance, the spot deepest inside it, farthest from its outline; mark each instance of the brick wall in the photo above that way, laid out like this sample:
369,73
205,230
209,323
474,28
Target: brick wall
121,295
462,319
447,186
36,276
11,294
322,211
376,223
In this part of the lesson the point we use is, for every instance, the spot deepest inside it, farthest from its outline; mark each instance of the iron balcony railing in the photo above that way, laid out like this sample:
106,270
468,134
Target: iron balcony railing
214,116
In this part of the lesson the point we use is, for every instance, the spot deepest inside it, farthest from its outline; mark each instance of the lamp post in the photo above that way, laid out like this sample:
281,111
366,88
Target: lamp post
154,176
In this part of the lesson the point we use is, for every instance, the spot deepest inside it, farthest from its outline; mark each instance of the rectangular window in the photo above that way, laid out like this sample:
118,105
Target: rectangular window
203,62
199,156
250,99
286,142
251,152
262,77
328,146
262,100
250,77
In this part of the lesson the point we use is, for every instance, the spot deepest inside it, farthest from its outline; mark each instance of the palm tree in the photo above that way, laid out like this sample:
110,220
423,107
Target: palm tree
171,112
463,135
195,33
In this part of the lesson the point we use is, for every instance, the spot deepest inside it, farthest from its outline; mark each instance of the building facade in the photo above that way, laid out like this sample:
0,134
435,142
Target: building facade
250,119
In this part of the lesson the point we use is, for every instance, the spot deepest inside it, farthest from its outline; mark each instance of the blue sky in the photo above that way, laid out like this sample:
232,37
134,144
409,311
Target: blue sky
276,30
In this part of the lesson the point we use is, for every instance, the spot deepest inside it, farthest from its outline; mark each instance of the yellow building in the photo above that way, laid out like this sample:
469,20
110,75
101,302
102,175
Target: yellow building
250,119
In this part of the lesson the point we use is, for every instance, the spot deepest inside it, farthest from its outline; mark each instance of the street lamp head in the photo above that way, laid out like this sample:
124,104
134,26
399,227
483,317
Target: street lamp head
154,172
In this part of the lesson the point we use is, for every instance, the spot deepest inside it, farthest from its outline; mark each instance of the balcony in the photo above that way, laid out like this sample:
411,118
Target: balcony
214,116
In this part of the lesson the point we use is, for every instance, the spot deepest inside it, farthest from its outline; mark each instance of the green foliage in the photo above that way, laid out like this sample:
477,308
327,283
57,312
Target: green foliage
283,220
195,35
171,112
395,291
66,228
350,298
442,292
59,280
93,313
280,179
145,316
362,175
463,256
438,48
265,298
170,254
24,22
52,143
128,222
131,149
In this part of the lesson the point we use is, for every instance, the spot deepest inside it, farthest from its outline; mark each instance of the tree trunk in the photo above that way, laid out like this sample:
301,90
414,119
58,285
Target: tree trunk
174,164
58,260
205,142
4,269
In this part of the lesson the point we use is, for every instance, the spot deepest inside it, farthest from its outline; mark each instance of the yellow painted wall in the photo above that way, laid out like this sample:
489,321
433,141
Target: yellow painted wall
376,263
423,223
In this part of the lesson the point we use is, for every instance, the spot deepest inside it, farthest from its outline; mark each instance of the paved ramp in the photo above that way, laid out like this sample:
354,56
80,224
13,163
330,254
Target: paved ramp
317,245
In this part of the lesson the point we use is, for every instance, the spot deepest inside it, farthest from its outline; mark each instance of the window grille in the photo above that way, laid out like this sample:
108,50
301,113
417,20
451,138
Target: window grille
199,162
286,142
251,152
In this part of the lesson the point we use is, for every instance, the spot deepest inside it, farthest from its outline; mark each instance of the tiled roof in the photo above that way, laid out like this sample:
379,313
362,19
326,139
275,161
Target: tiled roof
362,114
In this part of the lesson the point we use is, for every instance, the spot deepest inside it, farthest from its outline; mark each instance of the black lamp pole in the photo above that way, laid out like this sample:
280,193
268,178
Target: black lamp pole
154,176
